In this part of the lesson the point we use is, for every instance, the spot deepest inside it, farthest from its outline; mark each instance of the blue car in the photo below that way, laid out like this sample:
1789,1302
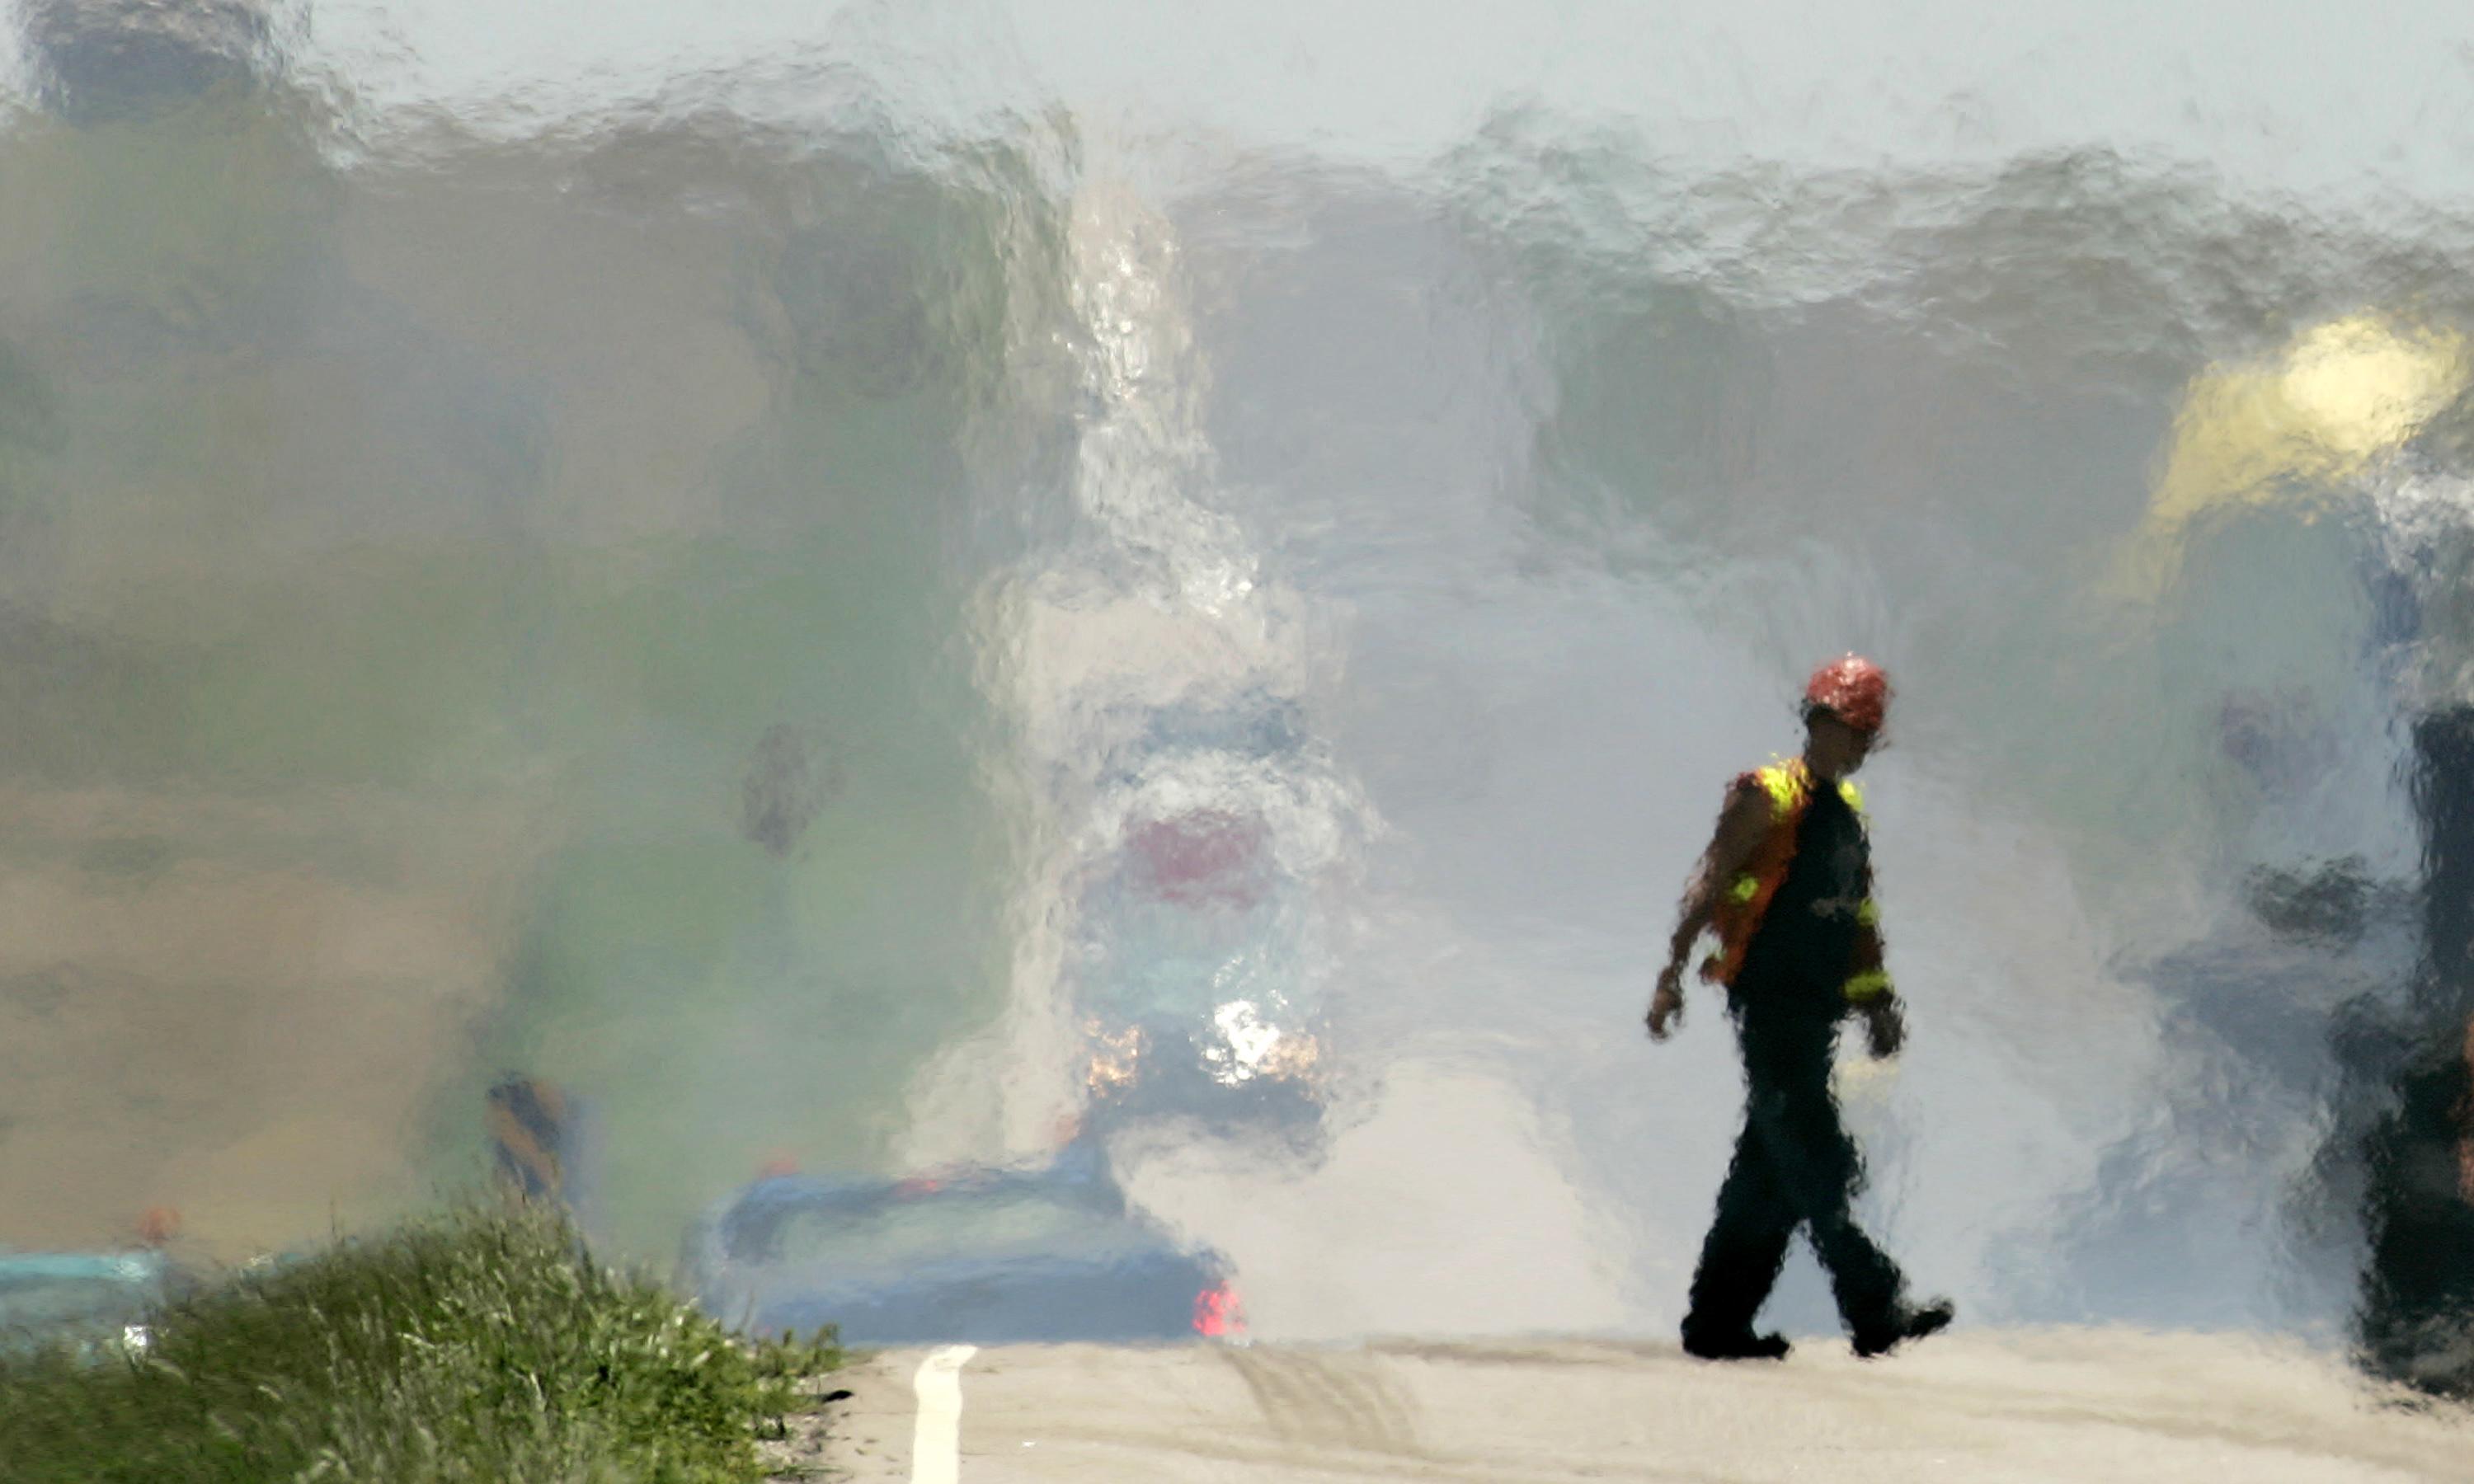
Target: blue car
93,1301
979,1255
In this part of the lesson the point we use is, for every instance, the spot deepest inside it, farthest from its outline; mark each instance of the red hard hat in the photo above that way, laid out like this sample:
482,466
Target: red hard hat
1852,688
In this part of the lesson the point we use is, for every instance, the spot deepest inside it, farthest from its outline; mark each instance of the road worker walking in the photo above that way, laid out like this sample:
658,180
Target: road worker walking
1786,883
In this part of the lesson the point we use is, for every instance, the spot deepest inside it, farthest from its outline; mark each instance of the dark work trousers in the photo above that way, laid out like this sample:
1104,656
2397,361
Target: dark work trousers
1794,1167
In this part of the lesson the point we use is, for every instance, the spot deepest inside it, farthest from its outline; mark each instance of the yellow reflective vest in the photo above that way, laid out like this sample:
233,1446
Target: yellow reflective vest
1745,900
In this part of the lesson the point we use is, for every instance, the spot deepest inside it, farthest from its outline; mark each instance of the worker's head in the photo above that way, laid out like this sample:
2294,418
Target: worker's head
1845,704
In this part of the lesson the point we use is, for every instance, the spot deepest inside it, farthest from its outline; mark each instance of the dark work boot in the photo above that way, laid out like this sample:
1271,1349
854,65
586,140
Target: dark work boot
1904,1323
1742,1346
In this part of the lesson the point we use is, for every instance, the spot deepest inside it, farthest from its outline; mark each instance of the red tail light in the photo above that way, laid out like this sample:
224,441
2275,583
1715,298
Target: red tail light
1217,1313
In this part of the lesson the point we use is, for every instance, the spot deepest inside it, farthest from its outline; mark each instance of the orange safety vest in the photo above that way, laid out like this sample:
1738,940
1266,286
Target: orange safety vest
1747,897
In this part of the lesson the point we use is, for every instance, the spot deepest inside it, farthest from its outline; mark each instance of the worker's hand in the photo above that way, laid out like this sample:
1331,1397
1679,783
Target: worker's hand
1667,1006
1886,1028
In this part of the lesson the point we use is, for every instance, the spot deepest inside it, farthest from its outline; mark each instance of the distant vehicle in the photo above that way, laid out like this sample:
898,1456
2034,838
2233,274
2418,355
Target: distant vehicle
1195,920
978,1255
94,1301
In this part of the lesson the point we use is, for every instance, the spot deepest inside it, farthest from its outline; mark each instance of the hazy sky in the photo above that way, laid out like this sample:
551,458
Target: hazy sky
2295,95
2300,95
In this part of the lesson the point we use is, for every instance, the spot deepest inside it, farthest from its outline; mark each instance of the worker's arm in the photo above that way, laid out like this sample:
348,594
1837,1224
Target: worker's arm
1868,989
1741,825
1885,1026
2466,1124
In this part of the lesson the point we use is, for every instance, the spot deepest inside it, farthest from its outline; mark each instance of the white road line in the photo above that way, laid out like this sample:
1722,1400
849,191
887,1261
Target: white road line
936,1438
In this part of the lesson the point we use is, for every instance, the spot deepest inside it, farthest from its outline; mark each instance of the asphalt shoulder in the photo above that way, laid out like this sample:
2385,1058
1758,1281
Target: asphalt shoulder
1980,1405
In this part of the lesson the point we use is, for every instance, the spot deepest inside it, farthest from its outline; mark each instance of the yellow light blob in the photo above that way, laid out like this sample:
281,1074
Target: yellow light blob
2361,389
2342,395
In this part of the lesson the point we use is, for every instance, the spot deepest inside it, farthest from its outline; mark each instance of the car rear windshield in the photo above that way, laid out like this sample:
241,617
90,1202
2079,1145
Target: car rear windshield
40,1292
933,1228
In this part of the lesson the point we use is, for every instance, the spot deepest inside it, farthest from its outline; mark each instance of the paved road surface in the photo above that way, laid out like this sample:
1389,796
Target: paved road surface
1983,1407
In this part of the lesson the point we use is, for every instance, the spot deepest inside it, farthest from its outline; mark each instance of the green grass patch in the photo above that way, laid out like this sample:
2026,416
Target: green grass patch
481,1346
